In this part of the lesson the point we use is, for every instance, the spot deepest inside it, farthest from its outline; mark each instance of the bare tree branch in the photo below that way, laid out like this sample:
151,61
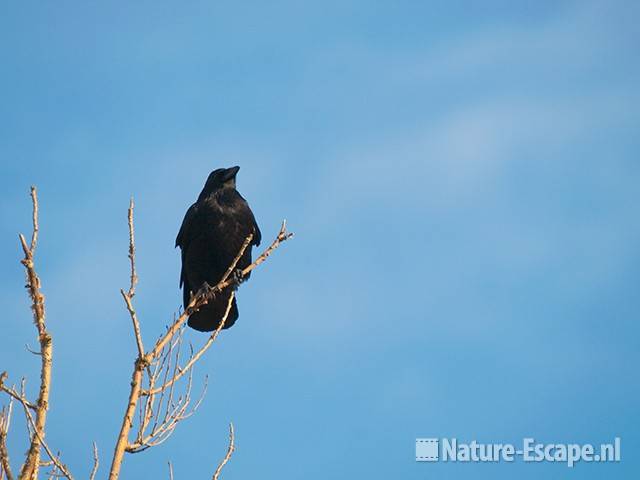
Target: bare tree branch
30,468
128,296
162,361
227,457
132,249
164,427
36,427
194,358
127,422
5,421
96,462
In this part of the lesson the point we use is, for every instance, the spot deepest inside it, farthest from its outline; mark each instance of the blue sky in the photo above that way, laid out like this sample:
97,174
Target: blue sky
462,179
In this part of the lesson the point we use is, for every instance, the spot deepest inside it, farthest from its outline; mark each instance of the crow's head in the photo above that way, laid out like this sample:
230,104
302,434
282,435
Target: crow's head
218,180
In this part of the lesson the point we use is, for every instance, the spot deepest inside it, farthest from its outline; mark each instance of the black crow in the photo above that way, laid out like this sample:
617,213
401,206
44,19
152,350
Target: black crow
212,233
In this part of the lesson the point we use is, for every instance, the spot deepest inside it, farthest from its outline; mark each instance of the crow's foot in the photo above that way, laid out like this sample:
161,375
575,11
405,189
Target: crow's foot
237,277
207,290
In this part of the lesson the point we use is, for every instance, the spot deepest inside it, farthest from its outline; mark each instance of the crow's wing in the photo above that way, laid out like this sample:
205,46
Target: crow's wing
257,236
188,230
244,215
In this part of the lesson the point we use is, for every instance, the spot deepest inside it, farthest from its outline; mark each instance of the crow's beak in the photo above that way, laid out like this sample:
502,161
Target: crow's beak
230,173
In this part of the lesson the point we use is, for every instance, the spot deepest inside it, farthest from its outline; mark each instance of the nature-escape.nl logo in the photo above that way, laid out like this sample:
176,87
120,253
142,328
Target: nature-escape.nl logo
451,450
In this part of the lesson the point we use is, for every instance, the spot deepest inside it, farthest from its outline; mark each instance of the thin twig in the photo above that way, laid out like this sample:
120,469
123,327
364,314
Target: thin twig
132,249
34,234
12,393
96,462
5,421
136,323
228,455
128,296
30,350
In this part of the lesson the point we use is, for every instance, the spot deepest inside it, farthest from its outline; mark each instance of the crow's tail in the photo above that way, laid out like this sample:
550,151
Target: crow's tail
209,316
